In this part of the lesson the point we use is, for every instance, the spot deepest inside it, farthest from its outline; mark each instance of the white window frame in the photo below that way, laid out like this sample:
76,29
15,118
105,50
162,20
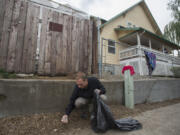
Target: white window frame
112,46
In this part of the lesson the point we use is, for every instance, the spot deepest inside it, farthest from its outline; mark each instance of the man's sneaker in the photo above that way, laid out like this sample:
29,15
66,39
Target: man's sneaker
84,116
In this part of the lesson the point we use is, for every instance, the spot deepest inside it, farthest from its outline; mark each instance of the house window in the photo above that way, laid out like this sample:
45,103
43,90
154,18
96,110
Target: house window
111,47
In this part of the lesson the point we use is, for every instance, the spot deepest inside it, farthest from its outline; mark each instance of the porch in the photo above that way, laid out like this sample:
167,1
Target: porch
135,56
134,41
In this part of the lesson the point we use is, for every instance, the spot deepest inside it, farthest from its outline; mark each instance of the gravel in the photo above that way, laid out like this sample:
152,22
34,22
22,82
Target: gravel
50,124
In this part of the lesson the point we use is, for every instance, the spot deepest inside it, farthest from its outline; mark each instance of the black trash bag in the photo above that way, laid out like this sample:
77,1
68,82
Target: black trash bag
102,119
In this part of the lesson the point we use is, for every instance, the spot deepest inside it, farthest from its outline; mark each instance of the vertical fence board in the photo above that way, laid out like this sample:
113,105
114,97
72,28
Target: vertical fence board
47,66
66,40
2,12
84,46
43,38
33,47
13,37
81,52
20,37
94,49
27,38
59,47
69,45
65,37
6,32
74,44
77,43
59,57
30,41
54,43
90,47
71,28
86,54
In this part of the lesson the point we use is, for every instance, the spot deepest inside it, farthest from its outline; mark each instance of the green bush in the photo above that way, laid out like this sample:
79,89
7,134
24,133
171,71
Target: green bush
176,71
2,71
6,75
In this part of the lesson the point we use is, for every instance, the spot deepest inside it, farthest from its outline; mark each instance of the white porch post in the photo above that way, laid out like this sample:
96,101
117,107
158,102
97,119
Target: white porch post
174,54
150,44
140,54
138,39
163,48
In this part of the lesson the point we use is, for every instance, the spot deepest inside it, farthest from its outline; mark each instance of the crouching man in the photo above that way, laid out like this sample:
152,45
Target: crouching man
83,93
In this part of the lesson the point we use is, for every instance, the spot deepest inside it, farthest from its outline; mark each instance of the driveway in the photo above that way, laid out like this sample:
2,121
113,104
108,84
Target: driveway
162,121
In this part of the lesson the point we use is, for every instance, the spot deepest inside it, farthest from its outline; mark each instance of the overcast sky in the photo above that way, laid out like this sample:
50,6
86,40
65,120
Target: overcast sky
106,9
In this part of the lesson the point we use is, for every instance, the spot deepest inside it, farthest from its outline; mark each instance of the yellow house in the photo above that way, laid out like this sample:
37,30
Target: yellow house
125,37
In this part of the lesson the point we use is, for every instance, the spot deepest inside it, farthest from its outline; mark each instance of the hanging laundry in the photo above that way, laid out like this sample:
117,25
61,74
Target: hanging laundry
128,68
151,61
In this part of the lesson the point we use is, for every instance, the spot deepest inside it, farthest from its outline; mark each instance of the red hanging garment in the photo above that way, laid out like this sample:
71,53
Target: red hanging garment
128,68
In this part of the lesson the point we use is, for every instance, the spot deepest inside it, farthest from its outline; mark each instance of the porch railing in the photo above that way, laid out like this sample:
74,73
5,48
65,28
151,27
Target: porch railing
138,51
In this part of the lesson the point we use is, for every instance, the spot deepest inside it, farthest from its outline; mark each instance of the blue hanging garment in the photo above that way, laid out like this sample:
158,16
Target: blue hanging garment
151,61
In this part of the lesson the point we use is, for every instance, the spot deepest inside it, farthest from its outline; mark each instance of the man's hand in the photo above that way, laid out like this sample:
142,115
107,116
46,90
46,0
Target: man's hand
97,91
64,119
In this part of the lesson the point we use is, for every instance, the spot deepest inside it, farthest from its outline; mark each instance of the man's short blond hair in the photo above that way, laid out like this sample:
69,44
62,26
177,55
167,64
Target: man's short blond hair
81,75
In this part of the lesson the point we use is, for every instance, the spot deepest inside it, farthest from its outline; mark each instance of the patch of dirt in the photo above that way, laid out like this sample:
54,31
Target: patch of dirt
49,123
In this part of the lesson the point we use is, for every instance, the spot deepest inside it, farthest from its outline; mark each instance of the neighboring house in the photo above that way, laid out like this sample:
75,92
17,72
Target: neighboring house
125,37
62,7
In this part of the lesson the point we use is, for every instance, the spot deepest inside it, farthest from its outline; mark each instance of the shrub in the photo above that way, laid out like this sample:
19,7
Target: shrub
176,71
6,75
2,71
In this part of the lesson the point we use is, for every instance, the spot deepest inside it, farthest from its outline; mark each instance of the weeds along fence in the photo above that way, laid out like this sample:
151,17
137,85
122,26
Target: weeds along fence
37,39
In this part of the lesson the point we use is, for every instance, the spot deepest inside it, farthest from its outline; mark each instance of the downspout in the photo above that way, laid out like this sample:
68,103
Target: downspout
38,40
99,48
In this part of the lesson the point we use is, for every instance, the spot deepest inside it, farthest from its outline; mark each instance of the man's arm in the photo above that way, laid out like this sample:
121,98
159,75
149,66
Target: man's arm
101,87
71,106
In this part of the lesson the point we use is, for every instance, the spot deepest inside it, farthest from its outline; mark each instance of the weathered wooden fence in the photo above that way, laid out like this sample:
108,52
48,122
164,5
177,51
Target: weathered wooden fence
65,42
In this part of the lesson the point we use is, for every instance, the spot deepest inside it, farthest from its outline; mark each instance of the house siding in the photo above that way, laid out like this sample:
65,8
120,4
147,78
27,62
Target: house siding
136,16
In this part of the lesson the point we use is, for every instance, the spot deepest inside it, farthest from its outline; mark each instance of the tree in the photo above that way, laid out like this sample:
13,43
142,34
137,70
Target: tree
172,30
174,5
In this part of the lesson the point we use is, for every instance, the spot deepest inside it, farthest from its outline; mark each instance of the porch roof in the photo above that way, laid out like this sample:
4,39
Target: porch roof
131,37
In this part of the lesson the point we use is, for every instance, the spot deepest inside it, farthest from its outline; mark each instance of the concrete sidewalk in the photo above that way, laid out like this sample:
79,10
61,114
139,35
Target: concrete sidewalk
162,121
